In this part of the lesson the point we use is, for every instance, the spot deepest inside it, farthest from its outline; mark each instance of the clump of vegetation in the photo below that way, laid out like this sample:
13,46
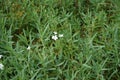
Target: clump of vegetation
59,40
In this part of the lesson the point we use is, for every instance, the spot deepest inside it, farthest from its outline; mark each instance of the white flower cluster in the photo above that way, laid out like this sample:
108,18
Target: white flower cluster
1,65
56,36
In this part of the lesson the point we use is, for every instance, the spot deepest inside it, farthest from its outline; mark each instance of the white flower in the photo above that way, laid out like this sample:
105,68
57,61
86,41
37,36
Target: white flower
28,48
60,35
55,32
1,56
1,66
54,37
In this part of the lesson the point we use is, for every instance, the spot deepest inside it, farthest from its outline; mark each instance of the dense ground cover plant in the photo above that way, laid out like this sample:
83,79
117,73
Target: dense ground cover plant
59,39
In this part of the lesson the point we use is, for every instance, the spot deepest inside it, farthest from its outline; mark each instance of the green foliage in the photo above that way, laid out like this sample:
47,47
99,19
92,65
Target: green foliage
89,49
